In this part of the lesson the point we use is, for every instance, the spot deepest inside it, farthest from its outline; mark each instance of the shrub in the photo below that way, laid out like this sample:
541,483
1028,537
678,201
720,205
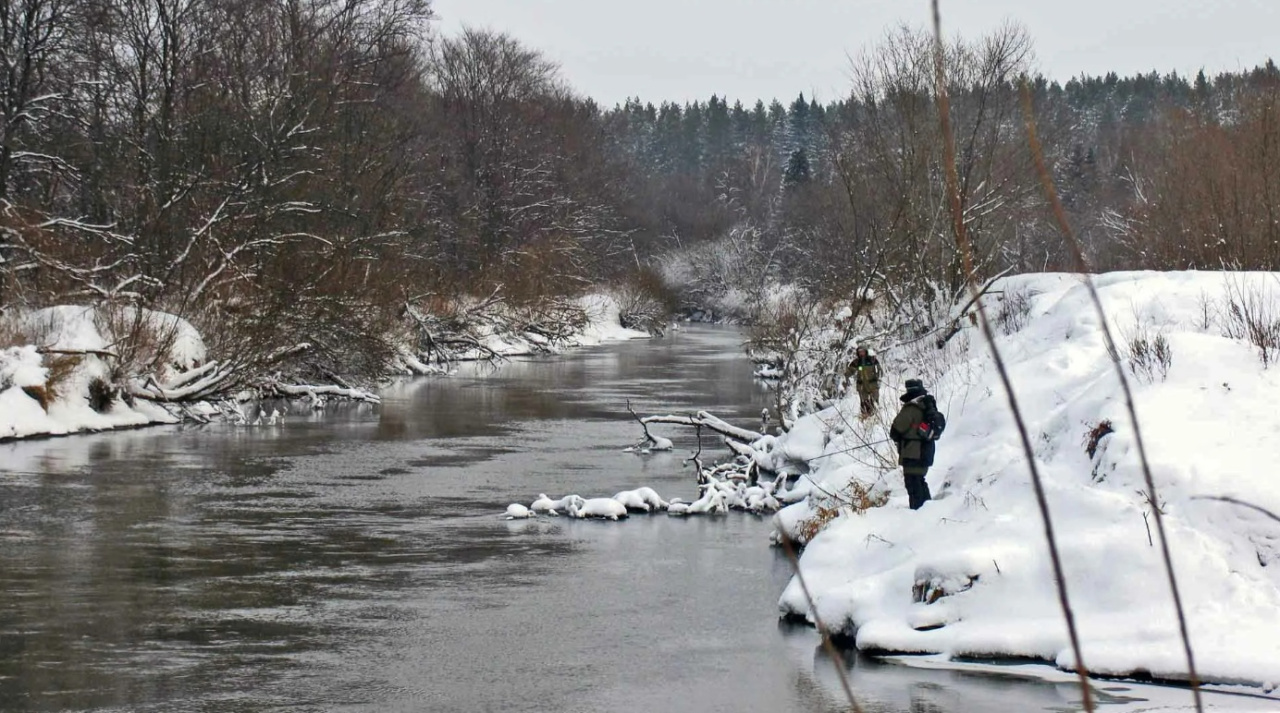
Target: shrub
101,394
644,301
817,522
141,339
857,498
1251,313
59,370
1015,310
1148,353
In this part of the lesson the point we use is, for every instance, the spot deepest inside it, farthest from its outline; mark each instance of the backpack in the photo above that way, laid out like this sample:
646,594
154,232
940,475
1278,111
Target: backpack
932,416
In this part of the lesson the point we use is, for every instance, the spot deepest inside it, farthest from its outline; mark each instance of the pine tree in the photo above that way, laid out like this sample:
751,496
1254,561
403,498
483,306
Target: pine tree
797,168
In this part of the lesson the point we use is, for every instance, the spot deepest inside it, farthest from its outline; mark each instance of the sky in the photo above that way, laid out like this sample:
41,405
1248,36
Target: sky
681,50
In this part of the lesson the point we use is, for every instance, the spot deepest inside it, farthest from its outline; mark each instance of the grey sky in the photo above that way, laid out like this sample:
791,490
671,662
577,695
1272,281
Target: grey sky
747,49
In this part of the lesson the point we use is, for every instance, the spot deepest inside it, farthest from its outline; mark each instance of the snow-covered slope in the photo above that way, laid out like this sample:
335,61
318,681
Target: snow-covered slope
1212,428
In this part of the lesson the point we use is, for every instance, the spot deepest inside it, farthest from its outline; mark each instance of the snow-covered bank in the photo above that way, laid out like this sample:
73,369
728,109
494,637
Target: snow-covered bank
968,574
66,386
468,329
76,381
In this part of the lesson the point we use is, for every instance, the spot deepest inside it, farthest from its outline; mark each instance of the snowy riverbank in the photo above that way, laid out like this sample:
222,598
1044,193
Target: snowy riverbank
50,390
68,383
976,554
603,324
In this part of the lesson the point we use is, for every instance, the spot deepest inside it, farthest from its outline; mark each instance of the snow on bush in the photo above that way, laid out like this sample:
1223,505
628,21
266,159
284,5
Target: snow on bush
968,574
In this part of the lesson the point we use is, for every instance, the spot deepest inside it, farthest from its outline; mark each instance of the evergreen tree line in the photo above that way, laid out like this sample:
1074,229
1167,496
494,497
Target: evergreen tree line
1155,171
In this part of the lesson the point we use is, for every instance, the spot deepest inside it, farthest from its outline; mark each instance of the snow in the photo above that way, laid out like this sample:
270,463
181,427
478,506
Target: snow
516,511
603,508
1210,427
604,321
77,327
73,328
603,325
21,366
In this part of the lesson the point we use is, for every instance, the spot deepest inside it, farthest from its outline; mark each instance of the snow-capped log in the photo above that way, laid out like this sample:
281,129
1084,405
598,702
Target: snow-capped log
314,391
753,452
191,385
650,442
600,508
641,500
706,420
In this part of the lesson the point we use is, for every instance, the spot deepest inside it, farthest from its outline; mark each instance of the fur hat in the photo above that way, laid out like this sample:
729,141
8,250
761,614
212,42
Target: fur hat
915,385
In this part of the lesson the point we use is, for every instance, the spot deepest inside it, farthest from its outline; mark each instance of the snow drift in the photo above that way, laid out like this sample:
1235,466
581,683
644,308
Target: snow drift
968,574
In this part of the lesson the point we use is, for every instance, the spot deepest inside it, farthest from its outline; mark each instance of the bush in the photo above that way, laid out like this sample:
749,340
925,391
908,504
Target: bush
101,394
1251,313
141,339
1147,353
644,301
857,498
59,369
1015,311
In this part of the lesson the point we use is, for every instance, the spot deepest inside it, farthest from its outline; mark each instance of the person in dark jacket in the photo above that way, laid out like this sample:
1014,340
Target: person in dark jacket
914,430
864,370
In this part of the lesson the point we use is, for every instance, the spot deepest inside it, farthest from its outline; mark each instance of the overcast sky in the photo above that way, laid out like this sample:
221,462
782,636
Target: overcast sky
746,49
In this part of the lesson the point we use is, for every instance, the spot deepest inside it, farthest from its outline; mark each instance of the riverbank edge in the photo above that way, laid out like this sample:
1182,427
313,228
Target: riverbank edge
846,642
591,335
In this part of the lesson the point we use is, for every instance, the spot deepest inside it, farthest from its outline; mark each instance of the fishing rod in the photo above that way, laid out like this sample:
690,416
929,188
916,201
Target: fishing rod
848,450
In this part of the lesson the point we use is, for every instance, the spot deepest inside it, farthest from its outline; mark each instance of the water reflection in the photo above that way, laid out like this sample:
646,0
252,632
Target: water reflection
354,561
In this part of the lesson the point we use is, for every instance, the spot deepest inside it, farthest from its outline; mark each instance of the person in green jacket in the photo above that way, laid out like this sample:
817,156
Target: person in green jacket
914,430
864,370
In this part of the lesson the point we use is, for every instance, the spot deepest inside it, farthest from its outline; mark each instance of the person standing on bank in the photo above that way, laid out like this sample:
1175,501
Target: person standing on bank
914,430
865,372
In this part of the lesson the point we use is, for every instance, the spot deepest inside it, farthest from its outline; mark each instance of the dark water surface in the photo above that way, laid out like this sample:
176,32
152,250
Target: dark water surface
356,561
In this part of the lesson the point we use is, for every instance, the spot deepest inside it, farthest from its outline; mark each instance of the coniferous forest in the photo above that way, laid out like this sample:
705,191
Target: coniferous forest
322,172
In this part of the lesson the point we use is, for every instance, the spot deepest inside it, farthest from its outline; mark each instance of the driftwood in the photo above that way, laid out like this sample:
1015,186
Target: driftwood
650,441
743,465
193,385
314,391
440,346
708,421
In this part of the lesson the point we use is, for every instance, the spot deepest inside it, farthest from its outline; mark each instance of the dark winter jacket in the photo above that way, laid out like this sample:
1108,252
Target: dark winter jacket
918,424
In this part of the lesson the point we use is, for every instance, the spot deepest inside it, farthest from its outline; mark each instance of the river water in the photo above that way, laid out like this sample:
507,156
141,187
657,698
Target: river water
356,560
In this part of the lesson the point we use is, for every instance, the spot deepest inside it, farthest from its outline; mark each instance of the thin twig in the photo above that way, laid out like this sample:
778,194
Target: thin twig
1241,503
1069,235
847,450
962,243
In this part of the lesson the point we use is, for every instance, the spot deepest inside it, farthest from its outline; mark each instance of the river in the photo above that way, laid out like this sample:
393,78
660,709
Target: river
356,560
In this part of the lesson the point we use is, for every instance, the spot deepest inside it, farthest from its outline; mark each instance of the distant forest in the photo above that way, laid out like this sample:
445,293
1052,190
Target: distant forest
297,167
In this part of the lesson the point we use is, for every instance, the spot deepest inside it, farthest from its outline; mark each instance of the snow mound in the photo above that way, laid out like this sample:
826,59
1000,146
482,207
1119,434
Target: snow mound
968,574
